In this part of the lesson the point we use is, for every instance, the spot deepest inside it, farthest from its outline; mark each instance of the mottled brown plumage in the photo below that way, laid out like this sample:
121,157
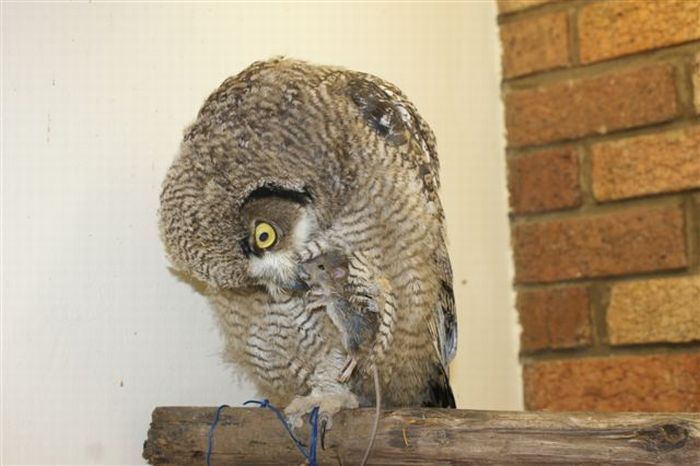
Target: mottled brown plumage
343,160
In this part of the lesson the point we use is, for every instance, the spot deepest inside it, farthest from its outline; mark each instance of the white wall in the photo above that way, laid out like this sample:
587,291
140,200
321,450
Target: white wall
95,330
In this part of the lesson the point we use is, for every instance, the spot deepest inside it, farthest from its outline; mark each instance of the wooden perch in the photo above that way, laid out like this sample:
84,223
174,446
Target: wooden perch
431,436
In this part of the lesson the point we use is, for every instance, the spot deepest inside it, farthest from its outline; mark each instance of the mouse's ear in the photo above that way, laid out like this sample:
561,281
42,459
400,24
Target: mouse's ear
339,273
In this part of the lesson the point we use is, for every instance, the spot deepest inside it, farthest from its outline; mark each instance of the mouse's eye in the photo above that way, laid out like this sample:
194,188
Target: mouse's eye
321,267
265,235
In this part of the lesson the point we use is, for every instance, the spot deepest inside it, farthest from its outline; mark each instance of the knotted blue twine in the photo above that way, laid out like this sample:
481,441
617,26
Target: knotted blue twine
210,435
309,454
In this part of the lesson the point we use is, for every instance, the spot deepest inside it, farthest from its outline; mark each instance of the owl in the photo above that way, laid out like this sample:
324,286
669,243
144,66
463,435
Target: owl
285,162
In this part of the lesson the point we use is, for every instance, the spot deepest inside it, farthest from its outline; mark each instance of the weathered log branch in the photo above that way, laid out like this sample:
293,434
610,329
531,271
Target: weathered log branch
431,436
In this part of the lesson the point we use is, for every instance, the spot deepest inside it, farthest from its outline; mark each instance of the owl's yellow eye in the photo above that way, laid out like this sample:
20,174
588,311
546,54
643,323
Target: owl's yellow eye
265,235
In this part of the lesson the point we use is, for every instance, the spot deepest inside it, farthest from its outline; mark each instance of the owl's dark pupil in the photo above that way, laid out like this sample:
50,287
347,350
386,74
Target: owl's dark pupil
263,236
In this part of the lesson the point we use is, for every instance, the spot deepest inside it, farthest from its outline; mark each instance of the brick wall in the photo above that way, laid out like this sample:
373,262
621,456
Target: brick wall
602,111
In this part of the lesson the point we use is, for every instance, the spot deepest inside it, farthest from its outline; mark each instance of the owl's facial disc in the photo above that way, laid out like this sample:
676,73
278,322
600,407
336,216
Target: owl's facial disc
277,229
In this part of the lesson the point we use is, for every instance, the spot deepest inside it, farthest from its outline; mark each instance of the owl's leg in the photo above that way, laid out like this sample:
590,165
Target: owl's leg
326,393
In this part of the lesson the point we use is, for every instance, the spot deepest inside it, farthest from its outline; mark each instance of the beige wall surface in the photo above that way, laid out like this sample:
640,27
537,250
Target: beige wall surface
95,330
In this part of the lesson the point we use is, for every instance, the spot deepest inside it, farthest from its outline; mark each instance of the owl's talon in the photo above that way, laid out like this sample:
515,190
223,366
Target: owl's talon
328,404
347,370
326,419
324,422
294,421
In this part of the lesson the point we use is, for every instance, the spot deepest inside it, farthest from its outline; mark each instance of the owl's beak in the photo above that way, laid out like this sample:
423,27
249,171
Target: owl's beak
301,279
299,285
302,273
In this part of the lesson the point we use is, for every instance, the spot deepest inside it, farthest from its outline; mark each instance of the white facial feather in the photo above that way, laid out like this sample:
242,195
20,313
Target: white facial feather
303,229
278,266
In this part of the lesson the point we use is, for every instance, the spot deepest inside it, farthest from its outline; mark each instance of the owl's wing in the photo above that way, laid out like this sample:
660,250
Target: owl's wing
443,328
393,116
445,315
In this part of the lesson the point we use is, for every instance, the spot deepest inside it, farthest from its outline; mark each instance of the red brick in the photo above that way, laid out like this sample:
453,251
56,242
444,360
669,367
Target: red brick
544,180
556,318
633,383
594,105
649,164
658,310
510,6
630,241
536,44
615,28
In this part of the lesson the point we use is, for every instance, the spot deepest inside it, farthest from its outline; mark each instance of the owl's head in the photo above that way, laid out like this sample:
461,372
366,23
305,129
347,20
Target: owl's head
278,227
280,126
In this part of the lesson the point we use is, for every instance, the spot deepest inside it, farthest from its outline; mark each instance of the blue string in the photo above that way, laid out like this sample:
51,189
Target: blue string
283,420
309,454
313,420
210,435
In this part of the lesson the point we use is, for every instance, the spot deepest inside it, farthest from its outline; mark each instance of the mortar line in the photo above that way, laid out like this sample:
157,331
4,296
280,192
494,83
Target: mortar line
640,349
542,10
684,84
602,208
609,279
679,122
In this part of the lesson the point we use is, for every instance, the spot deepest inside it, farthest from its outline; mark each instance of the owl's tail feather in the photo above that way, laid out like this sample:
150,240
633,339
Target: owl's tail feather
439,393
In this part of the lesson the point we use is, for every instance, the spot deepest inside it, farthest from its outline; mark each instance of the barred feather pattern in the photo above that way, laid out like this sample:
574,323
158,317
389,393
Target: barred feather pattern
360,151
367,284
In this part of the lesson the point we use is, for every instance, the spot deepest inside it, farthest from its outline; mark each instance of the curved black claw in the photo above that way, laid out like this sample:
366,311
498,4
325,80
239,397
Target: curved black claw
324,423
